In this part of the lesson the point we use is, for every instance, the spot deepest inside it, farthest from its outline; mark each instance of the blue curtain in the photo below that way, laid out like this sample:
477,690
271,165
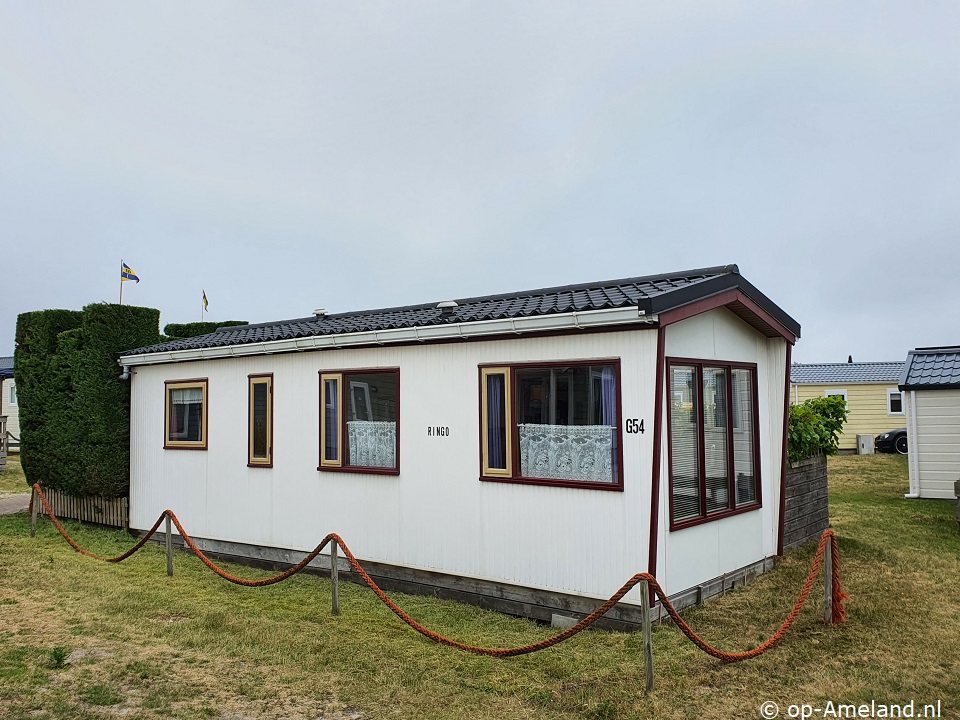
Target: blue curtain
608,410
496,433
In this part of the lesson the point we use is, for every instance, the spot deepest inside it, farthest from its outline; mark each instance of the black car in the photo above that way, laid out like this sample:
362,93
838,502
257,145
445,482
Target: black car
894,441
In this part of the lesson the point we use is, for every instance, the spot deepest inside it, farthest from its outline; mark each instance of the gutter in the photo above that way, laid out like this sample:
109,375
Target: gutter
448,331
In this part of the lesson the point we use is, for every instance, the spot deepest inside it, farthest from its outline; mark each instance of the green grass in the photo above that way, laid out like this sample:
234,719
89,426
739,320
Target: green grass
12,479
193,646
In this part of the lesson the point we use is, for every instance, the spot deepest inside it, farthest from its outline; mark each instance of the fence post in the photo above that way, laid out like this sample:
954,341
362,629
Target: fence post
34,502
334,577
647,634
169,549
828,582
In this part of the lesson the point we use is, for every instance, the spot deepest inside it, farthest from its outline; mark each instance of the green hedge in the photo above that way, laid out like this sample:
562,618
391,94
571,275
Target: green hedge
815,427
76,434
41,387
179,331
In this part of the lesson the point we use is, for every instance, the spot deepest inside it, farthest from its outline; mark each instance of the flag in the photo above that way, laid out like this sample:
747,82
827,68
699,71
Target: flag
206,305
126,273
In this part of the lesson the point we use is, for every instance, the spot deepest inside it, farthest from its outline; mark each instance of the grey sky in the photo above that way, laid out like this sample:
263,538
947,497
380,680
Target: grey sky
287,156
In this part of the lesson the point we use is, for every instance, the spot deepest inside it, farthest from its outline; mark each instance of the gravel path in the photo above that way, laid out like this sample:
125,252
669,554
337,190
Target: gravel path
10,504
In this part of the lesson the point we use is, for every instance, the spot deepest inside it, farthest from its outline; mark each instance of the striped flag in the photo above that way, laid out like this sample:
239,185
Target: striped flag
126,273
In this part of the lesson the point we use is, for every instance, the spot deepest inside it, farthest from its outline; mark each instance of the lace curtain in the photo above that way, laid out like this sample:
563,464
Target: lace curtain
567,452
372,443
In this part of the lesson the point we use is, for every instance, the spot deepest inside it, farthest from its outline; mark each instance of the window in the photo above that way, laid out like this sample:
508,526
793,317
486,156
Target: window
551,424
186,414
713,440
13,394
894,402
260,421
359,431
835,393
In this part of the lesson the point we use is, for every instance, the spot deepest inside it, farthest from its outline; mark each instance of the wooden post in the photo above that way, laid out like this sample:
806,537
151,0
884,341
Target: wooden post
169,549
647,634
828,583
34,503
334,577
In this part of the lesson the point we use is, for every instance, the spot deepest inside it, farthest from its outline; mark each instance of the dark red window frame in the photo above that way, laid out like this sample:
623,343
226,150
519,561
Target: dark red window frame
699,364
514,434
343,421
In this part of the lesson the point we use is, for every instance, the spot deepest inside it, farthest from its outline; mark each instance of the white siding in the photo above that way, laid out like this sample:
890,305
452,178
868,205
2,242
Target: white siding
11,411
695,554
936,441
436,514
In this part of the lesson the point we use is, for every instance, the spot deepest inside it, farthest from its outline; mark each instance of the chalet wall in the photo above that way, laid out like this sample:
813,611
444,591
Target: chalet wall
690,556
437,514
936,442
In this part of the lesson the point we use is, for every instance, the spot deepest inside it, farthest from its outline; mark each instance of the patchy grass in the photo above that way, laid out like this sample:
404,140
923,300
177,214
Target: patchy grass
192,646
12,479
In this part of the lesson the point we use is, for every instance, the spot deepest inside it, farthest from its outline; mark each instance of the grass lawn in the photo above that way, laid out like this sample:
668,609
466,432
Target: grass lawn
12,480
82,639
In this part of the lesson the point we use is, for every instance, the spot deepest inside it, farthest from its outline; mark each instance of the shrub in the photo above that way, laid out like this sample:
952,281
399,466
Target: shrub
815,427
179,331
75,413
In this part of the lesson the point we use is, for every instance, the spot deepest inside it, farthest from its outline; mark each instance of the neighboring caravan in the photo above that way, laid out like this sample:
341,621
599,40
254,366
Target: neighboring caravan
9,406
528,452
931,393
874,402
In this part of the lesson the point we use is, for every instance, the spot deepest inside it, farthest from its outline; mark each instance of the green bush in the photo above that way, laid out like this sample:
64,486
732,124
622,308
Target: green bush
76,433
815,427
179,331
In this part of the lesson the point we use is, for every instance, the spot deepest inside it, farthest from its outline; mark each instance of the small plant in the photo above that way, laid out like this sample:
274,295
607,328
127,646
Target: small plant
58,658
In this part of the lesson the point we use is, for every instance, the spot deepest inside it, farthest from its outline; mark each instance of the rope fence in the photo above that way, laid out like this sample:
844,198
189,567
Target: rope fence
827,554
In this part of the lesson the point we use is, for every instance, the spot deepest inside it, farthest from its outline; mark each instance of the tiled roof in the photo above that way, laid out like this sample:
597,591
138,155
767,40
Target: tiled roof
652,294
6,367
931,368
859,372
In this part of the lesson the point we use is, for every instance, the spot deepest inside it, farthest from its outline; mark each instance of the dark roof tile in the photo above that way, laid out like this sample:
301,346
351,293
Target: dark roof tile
652,294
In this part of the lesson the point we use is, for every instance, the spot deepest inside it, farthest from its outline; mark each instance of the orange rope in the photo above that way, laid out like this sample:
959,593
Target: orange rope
839,614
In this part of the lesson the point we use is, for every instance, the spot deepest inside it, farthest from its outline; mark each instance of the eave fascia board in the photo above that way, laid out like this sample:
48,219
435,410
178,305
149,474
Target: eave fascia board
421,333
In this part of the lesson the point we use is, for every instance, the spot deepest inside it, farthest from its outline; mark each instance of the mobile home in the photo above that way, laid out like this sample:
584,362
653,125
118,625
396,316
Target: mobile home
527,451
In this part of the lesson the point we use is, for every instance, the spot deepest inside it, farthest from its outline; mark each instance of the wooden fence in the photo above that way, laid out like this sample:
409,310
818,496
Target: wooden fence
114,512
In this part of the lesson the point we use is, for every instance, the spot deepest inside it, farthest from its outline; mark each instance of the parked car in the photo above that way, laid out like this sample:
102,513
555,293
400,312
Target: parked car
894,441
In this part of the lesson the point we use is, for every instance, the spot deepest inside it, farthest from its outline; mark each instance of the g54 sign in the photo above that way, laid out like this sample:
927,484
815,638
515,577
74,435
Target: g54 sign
634,426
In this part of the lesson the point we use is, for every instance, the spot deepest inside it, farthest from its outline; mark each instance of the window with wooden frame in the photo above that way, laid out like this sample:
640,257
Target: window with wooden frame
359,426
260,420
713,437
185,414
552,424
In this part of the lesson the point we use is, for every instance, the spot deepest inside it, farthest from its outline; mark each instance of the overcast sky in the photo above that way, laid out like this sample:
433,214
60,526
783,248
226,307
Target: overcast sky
288,156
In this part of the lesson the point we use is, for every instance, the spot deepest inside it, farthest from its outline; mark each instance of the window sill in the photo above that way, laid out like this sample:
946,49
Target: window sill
259,465
692,522
167,446
582,485
359,470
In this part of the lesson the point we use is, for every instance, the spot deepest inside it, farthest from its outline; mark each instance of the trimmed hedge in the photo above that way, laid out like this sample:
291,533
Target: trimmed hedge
815,427
76,411
179,331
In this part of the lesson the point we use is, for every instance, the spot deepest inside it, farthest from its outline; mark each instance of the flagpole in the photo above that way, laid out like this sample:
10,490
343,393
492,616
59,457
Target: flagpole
121,282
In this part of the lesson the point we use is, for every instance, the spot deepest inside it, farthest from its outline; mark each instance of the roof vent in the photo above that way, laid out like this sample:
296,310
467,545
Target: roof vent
447,307
320,312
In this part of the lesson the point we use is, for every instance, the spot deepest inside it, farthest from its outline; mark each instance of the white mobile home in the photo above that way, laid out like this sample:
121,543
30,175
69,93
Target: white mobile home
9,407
528,451
931,393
